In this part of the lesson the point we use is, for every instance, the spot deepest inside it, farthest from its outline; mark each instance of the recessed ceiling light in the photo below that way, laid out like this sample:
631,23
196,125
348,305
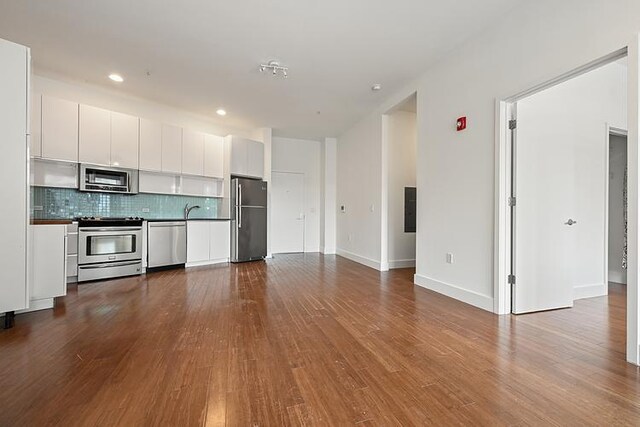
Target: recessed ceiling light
221,112
116,78
376,87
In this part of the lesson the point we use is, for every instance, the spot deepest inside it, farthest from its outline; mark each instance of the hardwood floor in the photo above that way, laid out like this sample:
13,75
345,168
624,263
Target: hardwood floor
310,340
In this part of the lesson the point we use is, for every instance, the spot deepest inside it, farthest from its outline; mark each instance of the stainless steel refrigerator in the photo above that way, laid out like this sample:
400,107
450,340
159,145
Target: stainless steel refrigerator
248,219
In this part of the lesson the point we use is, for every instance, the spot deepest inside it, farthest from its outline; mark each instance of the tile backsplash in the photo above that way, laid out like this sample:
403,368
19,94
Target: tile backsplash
64,203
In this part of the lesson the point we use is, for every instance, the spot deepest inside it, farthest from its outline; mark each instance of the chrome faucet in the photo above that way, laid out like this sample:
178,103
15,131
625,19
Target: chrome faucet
187,210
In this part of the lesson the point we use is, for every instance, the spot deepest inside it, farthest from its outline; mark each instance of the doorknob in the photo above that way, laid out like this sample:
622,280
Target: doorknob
571,222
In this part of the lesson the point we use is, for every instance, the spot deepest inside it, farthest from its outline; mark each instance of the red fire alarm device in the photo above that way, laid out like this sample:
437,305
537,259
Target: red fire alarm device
461,123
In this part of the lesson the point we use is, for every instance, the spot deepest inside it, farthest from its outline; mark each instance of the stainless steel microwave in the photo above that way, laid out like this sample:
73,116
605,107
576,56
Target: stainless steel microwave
108,180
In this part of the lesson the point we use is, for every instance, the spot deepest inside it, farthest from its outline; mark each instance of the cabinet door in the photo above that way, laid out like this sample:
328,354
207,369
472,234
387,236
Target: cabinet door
255,159
59,129
239,156
192,152
150,145
171,149
124,140
36,126
49,257
14,87
213,156
219,241
95,135
197,241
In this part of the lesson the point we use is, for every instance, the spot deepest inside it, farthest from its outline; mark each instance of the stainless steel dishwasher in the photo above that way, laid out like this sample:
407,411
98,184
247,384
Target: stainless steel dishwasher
166,243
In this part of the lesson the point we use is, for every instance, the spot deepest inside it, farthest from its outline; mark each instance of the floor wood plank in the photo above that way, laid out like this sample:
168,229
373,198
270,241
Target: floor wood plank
310,340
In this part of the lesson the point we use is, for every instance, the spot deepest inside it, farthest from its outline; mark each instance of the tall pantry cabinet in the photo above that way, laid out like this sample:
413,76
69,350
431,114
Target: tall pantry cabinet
14,175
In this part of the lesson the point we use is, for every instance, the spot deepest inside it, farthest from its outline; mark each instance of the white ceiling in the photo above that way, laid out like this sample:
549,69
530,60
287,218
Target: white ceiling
204,54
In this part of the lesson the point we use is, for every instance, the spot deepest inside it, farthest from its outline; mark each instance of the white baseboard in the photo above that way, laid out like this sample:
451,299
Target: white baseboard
209,262
328,251
475,299
590,291
360,259
402,263
617,277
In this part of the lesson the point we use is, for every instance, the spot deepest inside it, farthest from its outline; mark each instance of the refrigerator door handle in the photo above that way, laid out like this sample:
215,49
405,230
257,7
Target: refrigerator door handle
240,194
239,215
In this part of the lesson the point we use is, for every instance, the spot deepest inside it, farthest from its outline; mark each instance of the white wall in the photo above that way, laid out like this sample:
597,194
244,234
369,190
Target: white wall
265,135
328,165
358,235
572,116
402,138
303,156
456,170
617,165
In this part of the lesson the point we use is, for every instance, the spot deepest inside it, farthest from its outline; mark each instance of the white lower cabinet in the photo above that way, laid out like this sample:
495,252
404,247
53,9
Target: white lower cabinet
48,270
219,241
197,241
208,242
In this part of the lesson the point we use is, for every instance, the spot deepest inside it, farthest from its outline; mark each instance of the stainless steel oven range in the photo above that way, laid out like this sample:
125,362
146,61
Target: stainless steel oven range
109,247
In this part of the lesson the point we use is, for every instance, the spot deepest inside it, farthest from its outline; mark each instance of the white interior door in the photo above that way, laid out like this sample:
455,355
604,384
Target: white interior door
287,215
544,184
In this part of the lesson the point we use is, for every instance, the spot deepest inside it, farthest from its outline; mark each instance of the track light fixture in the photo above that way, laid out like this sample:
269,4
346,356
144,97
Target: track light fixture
275,67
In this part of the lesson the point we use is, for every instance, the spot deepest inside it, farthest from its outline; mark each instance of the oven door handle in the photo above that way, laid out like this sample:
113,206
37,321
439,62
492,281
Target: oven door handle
108,265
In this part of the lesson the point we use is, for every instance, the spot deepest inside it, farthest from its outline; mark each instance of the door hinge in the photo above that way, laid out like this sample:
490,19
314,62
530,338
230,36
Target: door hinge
512,124
512,201
511,279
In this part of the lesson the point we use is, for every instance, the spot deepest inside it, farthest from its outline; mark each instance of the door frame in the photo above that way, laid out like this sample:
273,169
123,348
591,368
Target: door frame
617,131
502,223
304,202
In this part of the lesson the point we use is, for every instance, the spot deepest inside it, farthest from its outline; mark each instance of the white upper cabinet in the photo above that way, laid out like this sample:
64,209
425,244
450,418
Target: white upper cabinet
213,156
192,152
150,145
124,140
255,159
36,126
59,129
247,157
95,136
238,156
171,149
63,130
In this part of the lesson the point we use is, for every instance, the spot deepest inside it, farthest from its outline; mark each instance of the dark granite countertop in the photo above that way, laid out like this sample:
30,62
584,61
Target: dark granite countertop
182,219
69,221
